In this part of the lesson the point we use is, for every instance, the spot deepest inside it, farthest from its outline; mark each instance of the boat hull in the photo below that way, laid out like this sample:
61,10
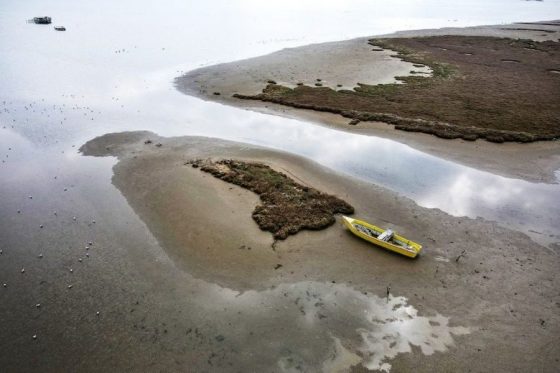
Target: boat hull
411,250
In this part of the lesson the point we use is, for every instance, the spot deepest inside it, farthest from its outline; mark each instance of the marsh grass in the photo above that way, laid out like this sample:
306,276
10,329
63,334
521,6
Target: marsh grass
471,93
287,207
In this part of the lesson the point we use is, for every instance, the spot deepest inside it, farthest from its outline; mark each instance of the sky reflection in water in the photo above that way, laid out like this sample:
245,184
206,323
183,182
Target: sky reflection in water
114,67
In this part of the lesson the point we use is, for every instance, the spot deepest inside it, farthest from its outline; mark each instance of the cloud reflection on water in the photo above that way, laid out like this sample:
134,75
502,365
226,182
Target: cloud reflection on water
92,80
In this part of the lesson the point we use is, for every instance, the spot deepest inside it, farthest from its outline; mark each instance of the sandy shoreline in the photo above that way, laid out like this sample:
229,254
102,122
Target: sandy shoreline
329,62
503,286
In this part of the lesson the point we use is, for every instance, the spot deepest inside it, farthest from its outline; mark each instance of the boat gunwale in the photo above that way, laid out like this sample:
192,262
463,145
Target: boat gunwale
411,252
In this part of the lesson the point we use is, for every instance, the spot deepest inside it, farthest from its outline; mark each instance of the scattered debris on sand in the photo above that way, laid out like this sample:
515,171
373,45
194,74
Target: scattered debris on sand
287,207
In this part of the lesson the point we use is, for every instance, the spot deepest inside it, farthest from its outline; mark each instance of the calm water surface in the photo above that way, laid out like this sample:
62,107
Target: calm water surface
112,70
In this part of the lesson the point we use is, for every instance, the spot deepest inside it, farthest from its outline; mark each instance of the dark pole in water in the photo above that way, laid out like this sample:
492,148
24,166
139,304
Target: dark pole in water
388,293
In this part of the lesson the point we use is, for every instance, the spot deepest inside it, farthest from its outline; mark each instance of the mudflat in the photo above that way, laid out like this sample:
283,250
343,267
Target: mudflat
481,87
476,90
493,290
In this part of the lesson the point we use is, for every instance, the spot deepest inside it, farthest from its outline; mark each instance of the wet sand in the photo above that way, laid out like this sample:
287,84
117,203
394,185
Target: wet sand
498,303
331,63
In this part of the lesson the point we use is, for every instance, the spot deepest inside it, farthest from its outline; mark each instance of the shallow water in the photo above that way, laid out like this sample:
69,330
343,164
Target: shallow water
68,201
113,70
385,327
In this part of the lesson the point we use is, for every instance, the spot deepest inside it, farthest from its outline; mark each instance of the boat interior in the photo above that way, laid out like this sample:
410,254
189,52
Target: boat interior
386,236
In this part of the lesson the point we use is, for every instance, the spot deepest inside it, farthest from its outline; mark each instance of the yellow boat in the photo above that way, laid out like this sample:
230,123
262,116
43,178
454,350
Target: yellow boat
385,238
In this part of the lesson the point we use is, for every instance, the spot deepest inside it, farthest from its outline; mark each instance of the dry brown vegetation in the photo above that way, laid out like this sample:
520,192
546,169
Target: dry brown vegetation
287,207
482,87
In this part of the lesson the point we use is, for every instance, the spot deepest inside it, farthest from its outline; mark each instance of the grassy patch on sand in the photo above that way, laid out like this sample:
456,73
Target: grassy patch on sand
497,89
287,207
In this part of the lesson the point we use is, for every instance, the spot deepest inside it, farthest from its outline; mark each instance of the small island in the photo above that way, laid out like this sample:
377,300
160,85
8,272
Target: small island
287,207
